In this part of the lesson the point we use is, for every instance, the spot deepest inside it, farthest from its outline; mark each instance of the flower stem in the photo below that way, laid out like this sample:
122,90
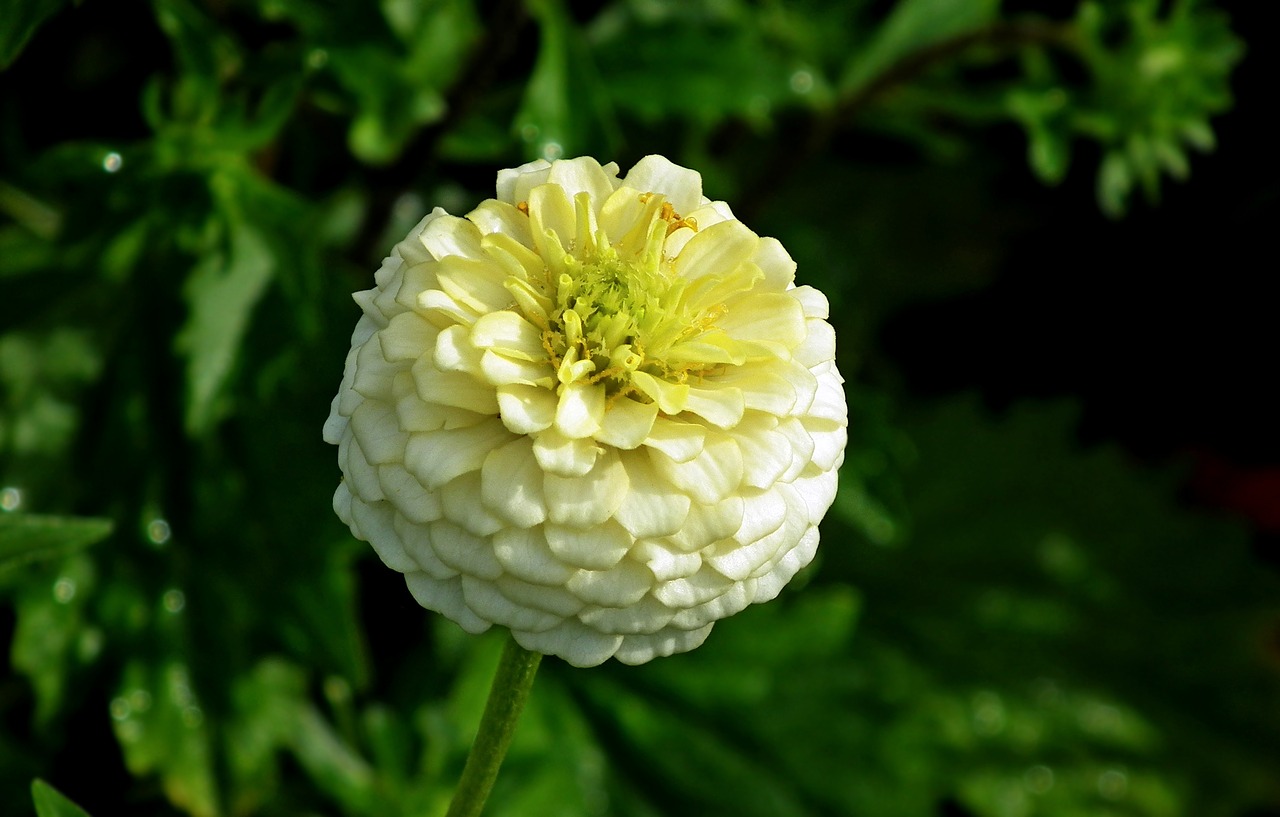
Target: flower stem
510,690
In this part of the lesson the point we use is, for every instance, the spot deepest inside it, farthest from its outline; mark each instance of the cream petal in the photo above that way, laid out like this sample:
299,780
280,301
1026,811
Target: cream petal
596,548
732,601
377,432
413,414
709,477
342,500
449,236
829,402
665,563
374,374
500,370
722,407
375,523
564,456
777,265
550,211
550,598
670,397
442,310
812,301
361,476
650,508
580,412
828,443
802,447
582,175
511,484
514,184
819,344
417,543
763,513
626,424
435,457
645,616
526,409
454,351
772,319
656,174
766,454
623,584
681,442
485,600
717,250
520,261
476,284
699,588
586,501
708,524
460,504
576,643
407,337
769,585
414,502
415,280
499,217
457,389
445,597
638,649
335,425
739,561
510,334
524,554
464,552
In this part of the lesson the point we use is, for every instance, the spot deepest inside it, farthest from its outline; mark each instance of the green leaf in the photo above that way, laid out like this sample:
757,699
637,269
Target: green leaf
222,291
49,802
26,538
21,19
913,26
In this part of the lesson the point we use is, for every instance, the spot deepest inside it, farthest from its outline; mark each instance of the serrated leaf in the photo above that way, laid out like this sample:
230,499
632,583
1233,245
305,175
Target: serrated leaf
913,26
26,538
49,802
222,291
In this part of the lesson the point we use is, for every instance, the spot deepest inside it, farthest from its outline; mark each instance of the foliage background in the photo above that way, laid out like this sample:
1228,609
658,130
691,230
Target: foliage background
1048,585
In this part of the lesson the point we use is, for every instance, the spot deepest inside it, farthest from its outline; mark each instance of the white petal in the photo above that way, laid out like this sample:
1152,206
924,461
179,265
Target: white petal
550,211
582,502
716,251
812,301
454,351
483,598
550,598
511,484
417,543
769,585
448,236
596,548
362,478
721,406
709,477
510,334
435,457
651,507
681,442
464,552
457,389
637,649
460,504
664,562
656,174
645,616
445,597
819,344
524,554
514,184
413,501
526,409
626,423
563,456
500,370
576,643
708,524
407,337
699,588
376,525
582,175
734,600
475,284
494,216
621,585
777,265
581,409
773,319
377,431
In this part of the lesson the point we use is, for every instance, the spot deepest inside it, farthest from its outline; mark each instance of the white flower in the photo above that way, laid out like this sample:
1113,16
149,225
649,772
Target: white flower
596,411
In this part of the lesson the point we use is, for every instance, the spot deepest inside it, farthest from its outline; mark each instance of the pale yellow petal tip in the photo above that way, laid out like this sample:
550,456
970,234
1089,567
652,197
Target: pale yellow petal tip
597,412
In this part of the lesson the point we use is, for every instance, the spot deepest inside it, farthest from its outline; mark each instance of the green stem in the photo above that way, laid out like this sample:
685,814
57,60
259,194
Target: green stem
510,690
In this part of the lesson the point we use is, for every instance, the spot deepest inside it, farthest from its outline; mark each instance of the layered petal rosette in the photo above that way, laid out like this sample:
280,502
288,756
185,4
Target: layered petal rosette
596,411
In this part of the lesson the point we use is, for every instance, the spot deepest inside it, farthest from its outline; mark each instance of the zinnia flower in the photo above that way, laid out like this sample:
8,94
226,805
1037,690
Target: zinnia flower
596,411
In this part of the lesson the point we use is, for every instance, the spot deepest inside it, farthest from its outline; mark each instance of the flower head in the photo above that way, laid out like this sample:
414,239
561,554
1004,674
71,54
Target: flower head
596,411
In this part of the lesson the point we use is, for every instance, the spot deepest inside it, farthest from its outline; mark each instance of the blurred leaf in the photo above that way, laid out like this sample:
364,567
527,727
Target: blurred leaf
222,291
25,538
912,27
161,728
49,802
52,639
21,19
